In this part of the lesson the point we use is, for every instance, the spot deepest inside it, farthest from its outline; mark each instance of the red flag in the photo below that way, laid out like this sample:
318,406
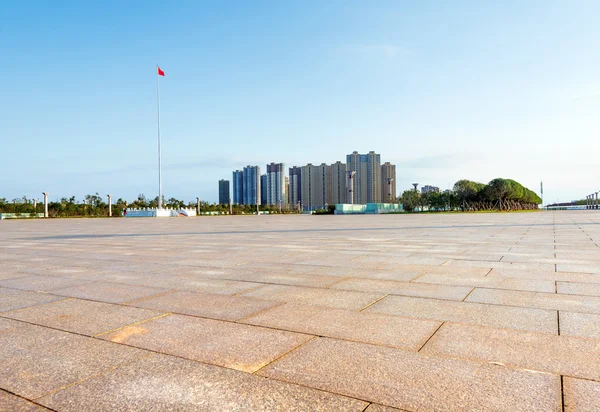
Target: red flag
160,72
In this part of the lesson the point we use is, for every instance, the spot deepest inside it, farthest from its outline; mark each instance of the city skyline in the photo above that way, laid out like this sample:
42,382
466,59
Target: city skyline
445,91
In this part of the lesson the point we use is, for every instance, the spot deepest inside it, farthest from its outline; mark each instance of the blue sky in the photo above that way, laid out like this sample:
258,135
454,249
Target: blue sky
445,90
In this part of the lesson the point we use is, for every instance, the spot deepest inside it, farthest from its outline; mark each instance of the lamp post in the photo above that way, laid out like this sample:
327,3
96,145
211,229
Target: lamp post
389,181
198,206
350,174
109,205
45,203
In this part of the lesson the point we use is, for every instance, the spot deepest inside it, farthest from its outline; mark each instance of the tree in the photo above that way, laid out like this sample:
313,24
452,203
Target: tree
411,200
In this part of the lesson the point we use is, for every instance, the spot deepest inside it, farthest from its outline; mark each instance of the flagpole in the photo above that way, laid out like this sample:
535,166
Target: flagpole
159,154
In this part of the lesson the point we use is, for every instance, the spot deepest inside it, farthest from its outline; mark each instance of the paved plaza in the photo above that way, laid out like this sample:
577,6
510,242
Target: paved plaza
441,312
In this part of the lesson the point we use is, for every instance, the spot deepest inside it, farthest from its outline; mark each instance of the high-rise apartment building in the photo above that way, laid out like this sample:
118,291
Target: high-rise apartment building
430,189
238,187
223,192
263,192
388,190
251,185
337,183
315,188
295,187
367,178
275,187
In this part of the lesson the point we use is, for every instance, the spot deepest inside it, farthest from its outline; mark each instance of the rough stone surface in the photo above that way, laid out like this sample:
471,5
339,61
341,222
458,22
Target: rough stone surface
165,383
580,324
420,382
11,299
12,403
581,395
373,328
82,316
535,320
35,360
405,288
206,305
242,347
109,292
562,355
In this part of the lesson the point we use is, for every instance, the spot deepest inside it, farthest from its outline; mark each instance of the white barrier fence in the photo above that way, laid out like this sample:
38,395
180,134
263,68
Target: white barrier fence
153,212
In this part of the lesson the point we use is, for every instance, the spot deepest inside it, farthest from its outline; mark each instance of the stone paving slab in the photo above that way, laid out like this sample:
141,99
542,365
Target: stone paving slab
12,403
11,299
82,316
365,327
579,324
534,320
532,285
581,395
317,297
165,383
379,408
365,372
562,355
242,347
109,292
576,288
573,303
405,288
41,283
35,360
206,305
545,275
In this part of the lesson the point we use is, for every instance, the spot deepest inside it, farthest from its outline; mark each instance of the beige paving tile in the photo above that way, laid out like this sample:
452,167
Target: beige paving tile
535,320
41,283
35,360
576,288
579,324
313,296
161,382
533,285
574,303
545,275
413,381
82,316
380,408
109,292
372,328
562,355
206,305
11,299
581,395
242,347
405,288
12,403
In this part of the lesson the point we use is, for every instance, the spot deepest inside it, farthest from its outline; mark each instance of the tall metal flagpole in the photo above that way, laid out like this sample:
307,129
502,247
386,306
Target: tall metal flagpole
159,154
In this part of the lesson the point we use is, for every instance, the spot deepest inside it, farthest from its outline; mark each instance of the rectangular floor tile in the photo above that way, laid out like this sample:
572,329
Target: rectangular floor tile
82,316
413,381
12,403
405,288
577,288
317,297
581,395
243,347
365,327
580,324
533,285
41,283
35,360
166,383
109,292
573,303
535,320
561,355
206,305
11,299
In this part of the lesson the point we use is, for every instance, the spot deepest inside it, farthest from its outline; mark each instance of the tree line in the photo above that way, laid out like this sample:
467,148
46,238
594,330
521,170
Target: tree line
469,196
97,206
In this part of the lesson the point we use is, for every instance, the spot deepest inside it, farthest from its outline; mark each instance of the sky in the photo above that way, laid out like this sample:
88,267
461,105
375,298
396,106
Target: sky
446,90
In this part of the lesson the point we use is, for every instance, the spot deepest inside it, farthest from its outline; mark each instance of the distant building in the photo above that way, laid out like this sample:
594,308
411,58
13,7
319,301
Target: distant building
388,171
224,192
367,180
275,186
337,184
238,187
315,188
263,192
295,187
429,189
251,185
